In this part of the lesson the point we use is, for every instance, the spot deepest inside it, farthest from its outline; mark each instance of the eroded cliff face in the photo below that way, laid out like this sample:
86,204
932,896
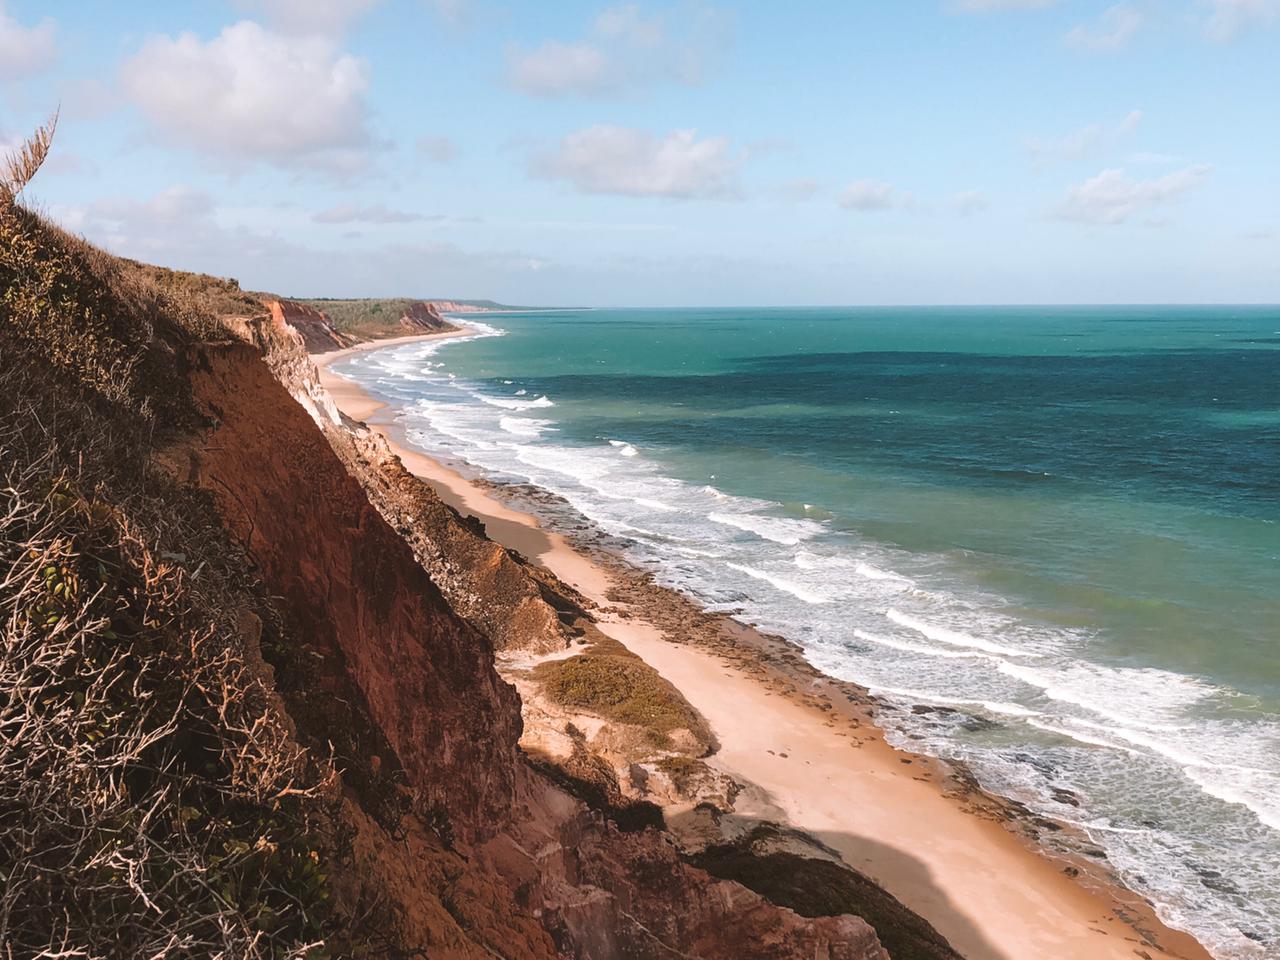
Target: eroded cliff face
313,326
452,306
486,853
355,590
424,317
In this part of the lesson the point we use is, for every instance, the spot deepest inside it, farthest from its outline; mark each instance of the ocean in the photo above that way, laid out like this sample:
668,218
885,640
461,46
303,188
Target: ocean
1058,526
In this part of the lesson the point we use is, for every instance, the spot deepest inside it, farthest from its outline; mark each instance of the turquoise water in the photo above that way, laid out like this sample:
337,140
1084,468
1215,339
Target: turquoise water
1057,525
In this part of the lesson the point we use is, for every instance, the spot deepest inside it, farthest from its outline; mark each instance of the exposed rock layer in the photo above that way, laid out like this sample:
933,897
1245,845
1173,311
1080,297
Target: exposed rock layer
313,326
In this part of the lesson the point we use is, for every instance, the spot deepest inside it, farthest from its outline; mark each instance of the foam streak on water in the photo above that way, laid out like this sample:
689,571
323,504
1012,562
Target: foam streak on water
1177,783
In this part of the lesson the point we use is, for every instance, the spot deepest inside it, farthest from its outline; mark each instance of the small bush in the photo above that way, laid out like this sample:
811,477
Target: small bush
618,686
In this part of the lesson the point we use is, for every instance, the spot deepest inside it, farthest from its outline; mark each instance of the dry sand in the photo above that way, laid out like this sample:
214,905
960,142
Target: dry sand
895,816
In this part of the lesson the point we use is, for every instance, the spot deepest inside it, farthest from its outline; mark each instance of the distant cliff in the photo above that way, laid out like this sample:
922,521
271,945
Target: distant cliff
316,329
360,320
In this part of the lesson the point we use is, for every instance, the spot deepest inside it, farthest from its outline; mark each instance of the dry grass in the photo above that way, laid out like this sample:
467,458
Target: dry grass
153,800
20,167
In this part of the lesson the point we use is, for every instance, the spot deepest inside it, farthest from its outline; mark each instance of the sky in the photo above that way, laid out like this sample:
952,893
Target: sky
667,152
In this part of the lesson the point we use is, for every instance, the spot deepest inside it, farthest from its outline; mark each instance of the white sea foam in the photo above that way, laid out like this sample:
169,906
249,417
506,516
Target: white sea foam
952,637
624,448
1255,789
812,561
652,504
568,461
908,647
508,404
1133,697
875,573
525,426
695,552
1258,790
1063,730
927,696
790,586
778,529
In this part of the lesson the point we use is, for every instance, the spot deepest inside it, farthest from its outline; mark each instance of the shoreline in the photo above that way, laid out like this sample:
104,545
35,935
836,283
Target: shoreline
814,759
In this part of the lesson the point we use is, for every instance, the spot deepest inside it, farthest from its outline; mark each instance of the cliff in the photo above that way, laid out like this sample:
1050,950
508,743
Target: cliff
466,306
312,325
354,321
426,317
271,716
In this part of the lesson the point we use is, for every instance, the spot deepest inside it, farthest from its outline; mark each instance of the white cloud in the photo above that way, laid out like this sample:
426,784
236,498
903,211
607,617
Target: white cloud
438,149
326,17
625,21
24,50
249,94
620,160
556,69
1113,31
374,213
989,6
968,202
870,195
174,207
1228,18
623,49
1083,142
454,12
1146,158
1113,196
798,190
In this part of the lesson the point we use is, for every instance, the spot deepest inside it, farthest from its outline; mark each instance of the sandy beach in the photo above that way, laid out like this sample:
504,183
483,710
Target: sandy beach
899,818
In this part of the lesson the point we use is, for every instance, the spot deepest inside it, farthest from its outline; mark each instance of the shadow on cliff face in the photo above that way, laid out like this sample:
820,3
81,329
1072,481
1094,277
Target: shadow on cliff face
808,874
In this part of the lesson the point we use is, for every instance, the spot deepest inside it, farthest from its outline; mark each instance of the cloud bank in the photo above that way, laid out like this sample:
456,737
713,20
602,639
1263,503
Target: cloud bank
251,94
24,50
624,49
1112,197
635,163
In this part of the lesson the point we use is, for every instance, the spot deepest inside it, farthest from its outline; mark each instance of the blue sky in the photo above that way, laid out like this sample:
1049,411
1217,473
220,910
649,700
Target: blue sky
669,152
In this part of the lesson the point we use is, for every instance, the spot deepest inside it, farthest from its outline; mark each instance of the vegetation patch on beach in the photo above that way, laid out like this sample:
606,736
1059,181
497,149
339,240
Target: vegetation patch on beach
611,682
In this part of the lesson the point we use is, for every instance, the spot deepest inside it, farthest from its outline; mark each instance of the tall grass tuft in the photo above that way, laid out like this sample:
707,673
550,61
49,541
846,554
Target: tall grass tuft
20,167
